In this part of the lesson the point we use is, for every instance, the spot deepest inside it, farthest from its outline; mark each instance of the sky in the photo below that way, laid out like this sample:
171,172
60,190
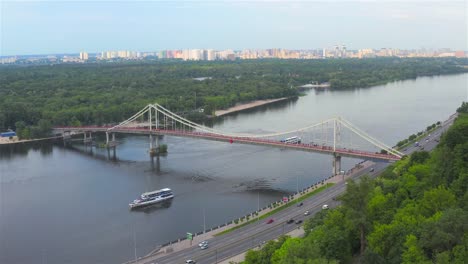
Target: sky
48,27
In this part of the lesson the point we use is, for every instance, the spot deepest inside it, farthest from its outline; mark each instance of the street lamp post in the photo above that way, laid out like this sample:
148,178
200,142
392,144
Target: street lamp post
134,243
297,185
258,205
204,222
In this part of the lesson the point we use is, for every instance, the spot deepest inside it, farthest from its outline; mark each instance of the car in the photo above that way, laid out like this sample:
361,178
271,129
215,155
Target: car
298,222
290,221
204,247
203,243
306,213
300,204
371,169
189,261
270,221
427,139
325,206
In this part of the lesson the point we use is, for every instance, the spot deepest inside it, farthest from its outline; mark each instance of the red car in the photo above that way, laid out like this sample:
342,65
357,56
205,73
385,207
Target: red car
270,221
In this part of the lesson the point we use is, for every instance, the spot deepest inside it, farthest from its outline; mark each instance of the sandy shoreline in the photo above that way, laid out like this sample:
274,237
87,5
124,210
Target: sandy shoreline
247,106
27,140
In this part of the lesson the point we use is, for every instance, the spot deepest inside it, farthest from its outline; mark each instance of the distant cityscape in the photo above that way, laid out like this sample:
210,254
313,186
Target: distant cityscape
336,52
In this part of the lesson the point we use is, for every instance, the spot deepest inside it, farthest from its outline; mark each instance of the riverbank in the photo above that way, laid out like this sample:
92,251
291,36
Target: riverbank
250,105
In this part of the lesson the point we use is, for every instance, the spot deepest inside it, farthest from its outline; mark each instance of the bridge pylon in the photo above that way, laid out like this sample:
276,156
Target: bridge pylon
153,141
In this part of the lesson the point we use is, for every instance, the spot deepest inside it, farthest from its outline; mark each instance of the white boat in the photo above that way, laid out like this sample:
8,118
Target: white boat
292,140
153,197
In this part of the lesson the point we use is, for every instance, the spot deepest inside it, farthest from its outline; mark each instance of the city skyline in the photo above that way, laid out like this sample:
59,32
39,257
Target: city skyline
337,52
331,47
70,27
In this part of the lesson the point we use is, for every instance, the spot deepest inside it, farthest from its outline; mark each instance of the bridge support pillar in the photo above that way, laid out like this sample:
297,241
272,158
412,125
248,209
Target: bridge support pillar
113,140
86,138
109,143
154,146
151,141
336,164
66,137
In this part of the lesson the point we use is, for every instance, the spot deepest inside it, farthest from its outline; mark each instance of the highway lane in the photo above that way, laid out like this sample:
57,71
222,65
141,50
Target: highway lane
252,235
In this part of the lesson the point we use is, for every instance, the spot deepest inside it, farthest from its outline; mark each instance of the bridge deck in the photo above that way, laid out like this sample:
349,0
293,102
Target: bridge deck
243,140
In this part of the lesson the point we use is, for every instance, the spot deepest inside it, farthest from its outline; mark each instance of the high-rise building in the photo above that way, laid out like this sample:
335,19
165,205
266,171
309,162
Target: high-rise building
459,54
196,54
122,54
210,55
186,54
84,56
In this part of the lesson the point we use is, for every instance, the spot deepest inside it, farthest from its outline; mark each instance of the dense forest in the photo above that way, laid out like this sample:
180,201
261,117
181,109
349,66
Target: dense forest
416,211
99,93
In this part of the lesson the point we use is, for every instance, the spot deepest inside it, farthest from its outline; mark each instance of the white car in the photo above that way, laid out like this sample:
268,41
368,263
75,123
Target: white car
204,247
190,261
325,206
306,213
203,243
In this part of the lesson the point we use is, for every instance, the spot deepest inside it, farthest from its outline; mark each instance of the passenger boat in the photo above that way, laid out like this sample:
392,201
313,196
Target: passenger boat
149,198
292,140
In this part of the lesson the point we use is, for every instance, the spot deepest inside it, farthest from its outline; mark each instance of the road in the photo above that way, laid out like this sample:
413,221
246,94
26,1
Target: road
253,235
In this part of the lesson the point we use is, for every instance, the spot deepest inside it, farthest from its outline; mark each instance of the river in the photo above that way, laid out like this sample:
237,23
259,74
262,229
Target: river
62,205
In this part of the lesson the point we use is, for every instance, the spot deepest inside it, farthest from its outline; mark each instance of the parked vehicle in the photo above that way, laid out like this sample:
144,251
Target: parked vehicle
325,206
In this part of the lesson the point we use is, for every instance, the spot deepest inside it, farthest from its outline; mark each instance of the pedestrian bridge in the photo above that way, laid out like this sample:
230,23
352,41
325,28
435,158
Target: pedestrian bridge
334,136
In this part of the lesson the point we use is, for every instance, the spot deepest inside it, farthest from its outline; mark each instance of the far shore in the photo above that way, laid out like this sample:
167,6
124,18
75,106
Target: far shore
27,140
241,107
